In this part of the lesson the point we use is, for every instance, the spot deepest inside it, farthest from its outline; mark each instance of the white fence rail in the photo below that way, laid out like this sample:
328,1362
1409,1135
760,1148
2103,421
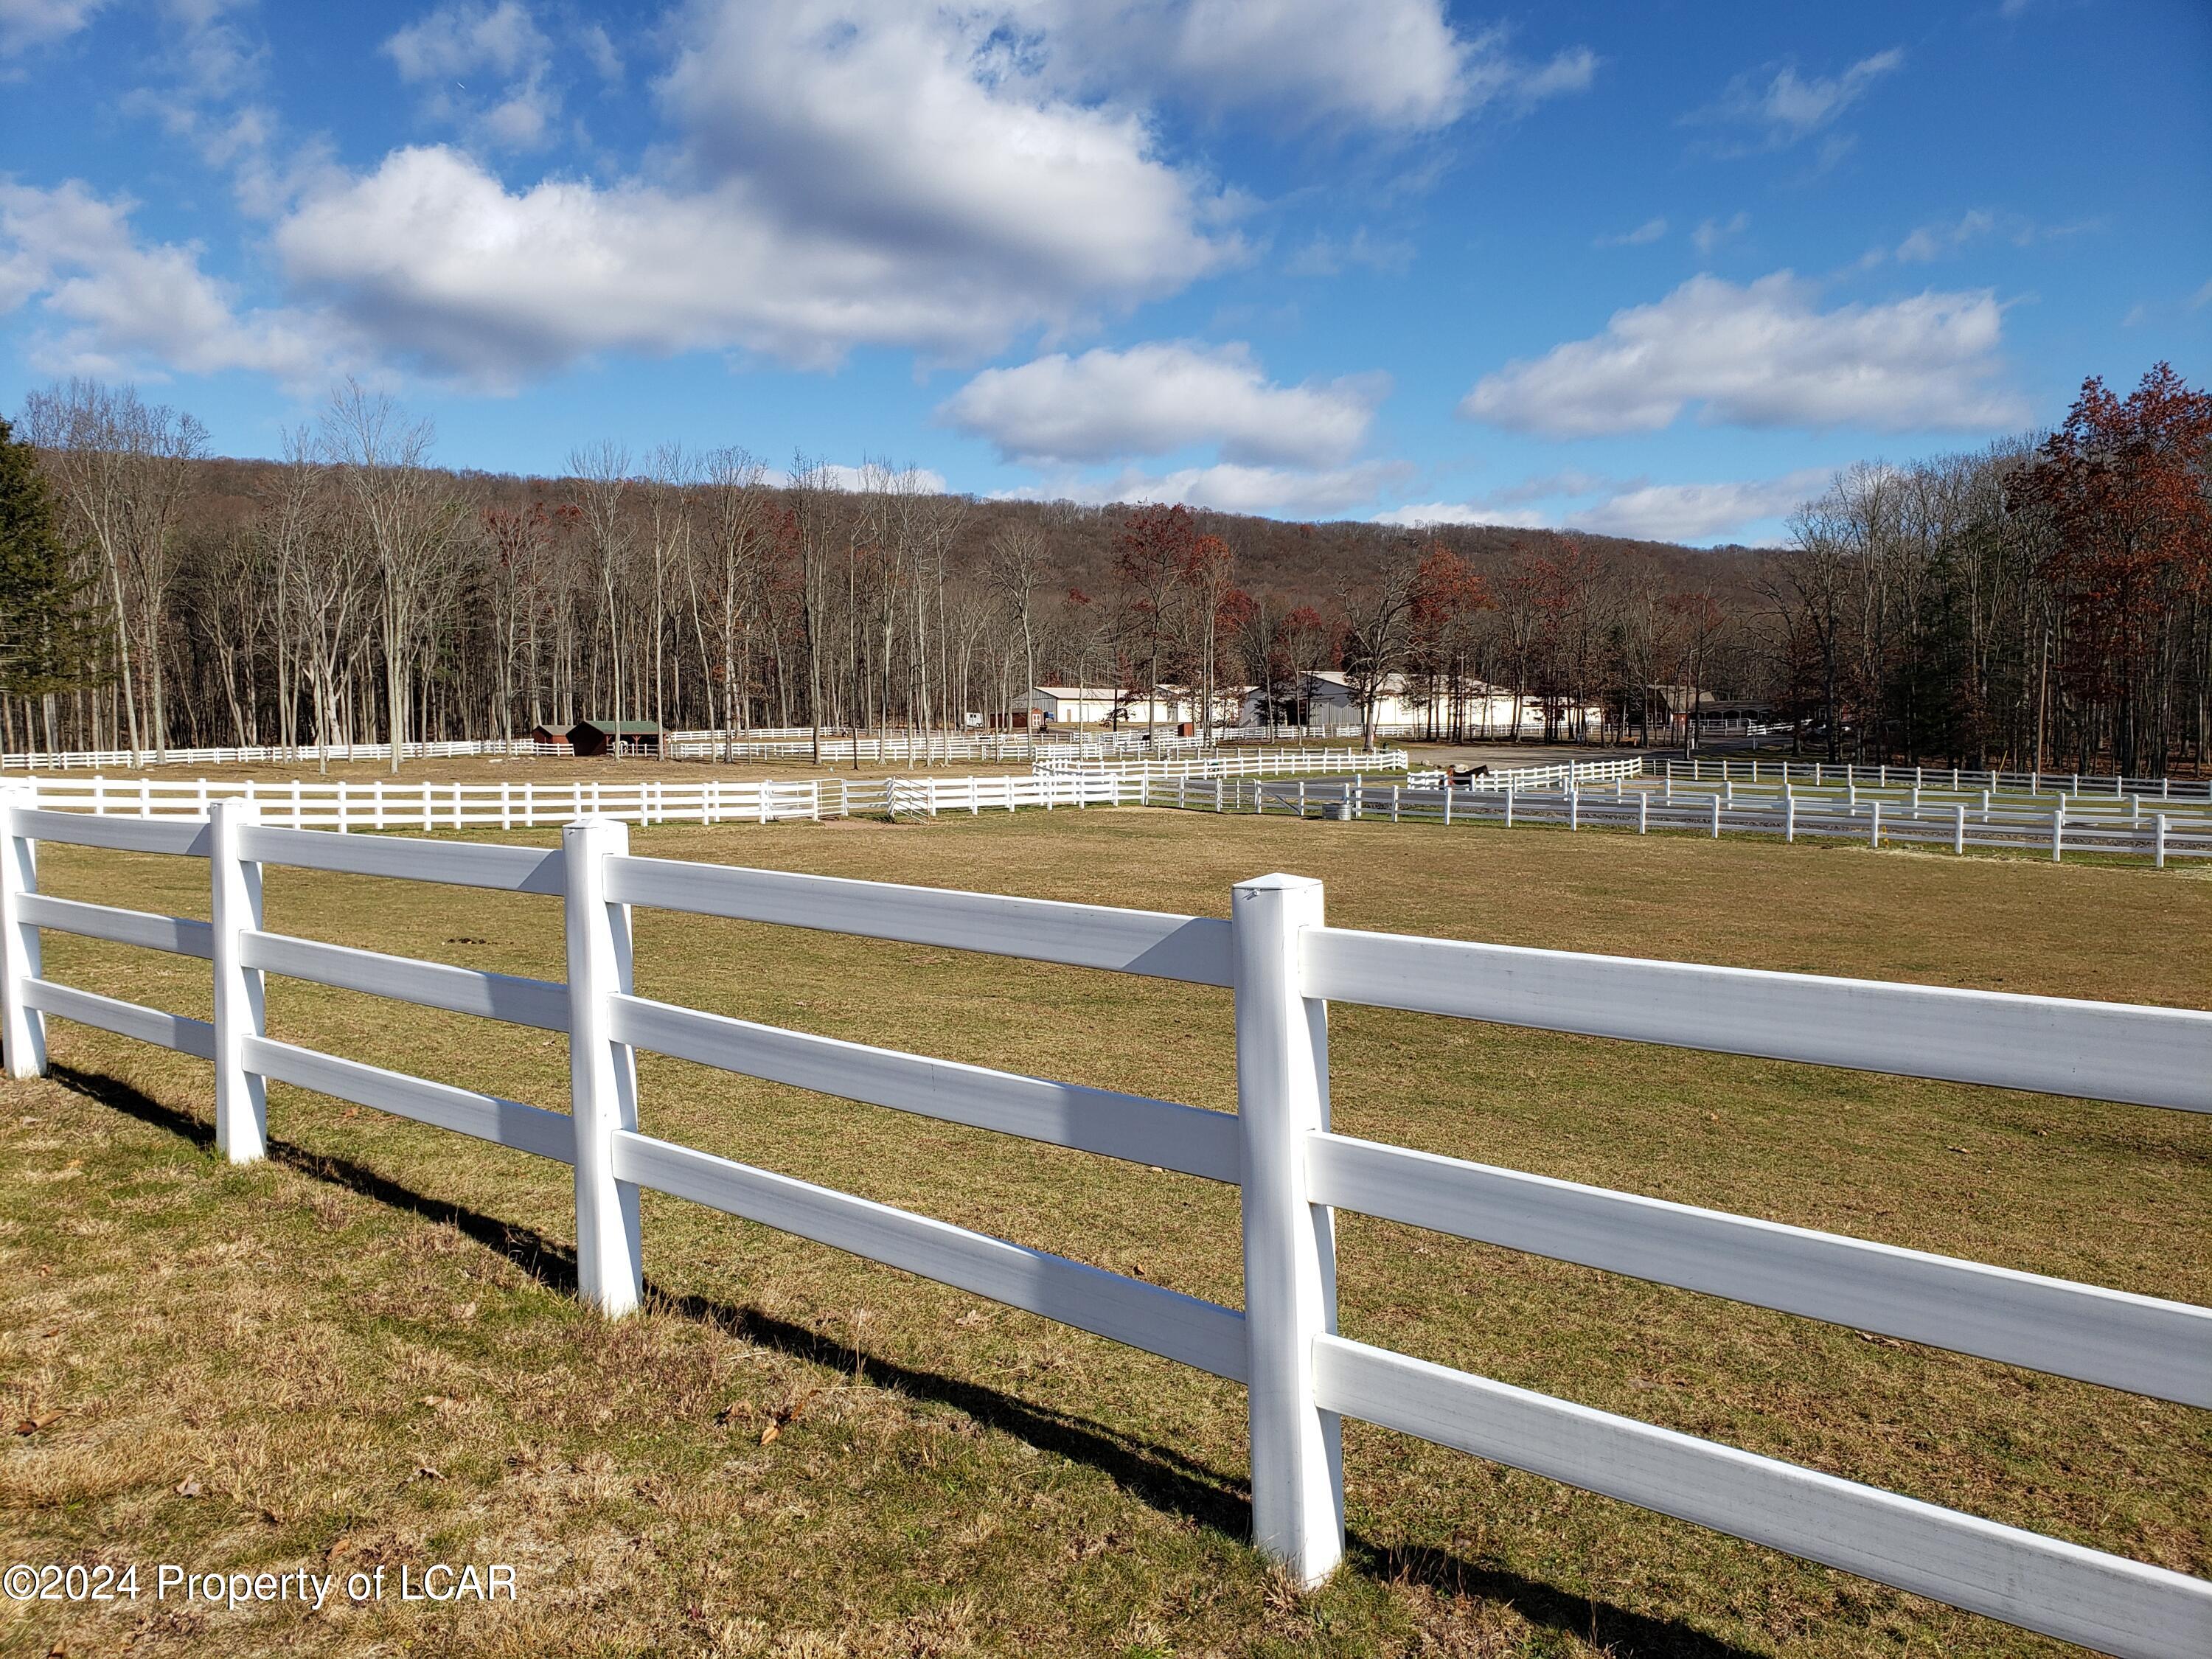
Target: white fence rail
1284,965
1562,776
1824,774
1714,810
378,804
1232,763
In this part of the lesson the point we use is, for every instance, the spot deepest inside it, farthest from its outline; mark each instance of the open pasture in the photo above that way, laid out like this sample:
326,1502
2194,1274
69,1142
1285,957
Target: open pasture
947,1476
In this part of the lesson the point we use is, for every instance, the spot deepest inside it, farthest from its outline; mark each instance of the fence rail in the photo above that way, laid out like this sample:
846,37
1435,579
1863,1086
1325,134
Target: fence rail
1229,763
1284,964
2157,836
378,804
1824,774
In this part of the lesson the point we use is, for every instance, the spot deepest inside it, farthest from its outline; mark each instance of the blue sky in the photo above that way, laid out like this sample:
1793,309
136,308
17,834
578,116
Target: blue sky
1650,270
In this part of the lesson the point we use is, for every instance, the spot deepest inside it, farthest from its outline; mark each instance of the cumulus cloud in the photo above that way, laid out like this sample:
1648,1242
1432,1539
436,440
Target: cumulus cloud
831,174
1397,65
118,306
1765,354
878,175
1785,107
1698,512
1649,231
1160,397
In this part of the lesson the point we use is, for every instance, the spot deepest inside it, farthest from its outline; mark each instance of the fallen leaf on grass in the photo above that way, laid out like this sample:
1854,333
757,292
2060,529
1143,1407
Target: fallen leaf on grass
785,1414
188,1489
424,1471
33,1425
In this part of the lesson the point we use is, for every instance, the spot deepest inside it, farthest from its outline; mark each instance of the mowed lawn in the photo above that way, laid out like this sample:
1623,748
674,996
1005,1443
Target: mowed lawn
366,1352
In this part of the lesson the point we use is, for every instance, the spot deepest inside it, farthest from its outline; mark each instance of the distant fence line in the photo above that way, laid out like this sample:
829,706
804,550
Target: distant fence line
1822,773
2157,836
1281,965
378,804
1574,797
1229,762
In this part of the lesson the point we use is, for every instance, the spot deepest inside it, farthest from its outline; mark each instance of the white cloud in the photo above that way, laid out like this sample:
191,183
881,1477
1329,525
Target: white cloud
1395,65
1227,487
885,177
27,23
1420,515
1712,233
1933,242
1160,397
2201,298
1765,354
121,307
867,476
832,173
1649,231
502,45
1787,106
1698,512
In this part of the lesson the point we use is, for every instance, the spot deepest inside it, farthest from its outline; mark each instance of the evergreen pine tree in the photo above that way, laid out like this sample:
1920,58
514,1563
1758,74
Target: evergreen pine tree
52,631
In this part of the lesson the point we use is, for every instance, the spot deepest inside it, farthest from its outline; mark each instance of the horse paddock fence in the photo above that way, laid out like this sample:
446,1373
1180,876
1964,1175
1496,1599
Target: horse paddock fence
1956,826
1283,965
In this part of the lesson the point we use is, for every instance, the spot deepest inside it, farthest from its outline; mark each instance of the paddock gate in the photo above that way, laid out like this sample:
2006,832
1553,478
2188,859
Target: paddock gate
1284,965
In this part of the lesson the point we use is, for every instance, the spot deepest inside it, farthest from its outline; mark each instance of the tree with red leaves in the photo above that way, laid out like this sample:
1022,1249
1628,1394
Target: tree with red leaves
1449,594
2123,485
1153,550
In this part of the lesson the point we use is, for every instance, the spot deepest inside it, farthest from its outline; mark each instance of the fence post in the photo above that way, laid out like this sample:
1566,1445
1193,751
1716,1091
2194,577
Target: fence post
241,1110
1874,827
2158,841
1789,815
1642,814
1289,1242
2057,830
23,1028
1959,827
602,1073
1716,800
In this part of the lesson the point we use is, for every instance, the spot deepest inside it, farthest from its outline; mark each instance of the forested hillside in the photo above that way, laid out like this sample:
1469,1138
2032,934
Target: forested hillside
2049,597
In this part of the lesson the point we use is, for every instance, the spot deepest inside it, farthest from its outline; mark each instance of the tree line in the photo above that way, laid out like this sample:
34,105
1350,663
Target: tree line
2045,598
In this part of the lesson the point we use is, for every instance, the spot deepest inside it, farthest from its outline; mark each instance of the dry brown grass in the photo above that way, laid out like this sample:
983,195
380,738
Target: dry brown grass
303,1339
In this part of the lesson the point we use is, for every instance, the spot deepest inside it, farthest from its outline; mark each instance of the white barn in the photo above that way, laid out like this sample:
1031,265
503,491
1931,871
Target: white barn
1072,705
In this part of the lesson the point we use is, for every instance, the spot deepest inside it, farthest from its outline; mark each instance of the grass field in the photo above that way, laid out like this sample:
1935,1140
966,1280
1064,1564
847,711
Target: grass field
366,1351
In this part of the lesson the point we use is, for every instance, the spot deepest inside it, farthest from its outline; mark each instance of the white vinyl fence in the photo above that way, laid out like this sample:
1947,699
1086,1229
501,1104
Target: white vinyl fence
1232,763
1562,776
378,804
1284,965
1823,775
93,760
1709,811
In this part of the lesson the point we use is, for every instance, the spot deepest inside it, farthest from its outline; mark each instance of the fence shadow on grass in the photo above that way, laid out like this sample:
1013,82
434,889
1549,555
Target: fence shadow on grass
1156,1475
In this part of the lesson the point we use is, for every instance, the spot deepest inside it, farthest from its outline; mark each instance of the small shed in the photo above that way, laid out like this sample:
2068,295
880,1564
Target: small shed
602,737
549,736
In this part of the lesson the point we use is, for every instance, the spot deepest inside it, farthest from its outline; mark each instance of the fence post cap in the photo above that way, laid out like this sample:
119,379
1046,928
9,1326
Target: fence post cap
1277,883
